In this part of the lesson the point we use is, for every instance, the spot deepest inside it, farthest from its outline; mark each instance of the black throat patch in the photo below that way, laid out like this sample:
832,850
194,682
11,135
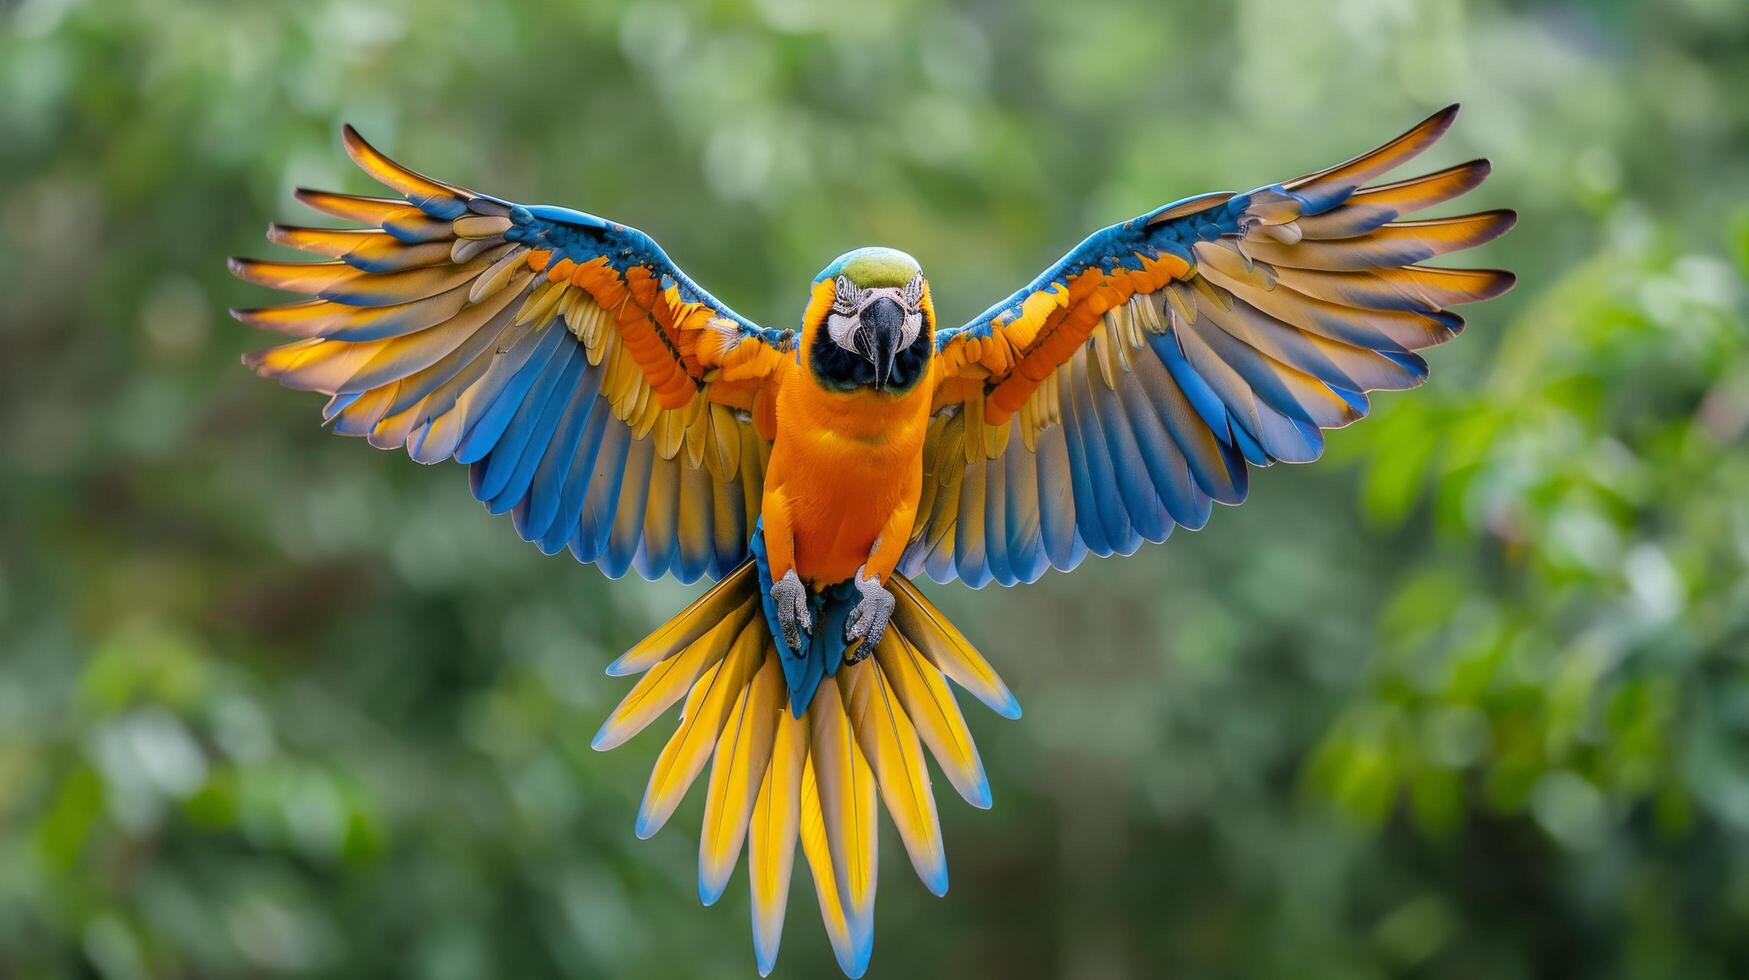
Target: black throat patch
838,369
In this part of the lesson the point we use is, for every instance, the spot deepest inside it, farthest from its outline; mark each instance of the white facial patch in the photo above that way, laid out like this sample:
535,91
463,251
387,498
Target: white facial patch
849,302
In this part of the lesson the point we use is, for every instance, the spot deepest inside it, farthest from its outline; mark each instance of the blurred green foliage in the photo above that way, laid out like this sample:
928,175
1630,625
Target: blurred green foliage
1468,698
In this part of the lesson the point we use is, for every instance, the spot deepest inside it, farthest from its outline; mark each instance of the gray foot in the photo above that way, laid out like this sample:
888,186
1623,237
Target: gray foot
791,597
868,621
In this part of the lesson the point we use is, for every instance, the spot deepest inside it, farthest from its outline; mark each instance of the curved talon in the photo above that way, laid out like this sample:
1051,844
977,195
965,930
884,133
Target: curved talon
868,621
791,597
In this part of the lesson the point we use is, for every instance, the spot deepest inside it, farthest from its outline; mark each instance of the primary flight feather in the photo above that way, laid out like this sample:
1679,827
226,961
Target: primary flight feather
616,409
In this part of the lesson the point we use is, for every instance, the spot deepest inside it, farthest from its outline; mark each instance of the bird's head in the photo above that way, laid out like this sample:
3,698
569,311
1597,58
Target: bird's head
870,322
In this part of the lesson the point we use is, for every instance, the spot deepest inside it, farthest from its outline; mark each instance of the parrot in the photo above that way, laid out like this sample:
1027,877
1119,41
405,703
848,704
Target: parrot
815,472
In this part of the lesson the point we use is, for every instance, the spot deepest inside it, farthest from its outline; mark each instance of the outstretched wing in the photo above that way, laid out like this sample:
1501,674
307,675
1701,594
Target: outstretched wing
600,396
1126,389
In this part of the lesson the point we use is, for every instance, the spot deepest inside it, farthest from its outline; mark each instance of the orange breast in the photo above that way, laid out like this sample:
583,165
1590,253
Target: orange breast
844,464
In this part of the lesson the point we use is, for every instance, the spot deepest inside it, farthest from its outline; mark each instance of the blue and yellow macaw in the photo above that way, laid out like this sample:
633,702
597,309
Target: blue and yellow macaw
616,409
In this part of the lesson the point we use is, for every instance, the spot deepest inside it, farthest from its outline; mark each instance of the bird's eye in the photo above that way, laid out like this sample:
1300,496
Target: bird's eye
912,296
844,297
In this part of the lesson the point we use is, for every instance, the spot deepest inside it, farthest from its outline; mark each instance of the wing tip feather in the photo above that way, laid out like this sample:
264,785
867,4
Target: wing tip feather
1435,126
1329,186
1507,279
356,145
418,188
1498,282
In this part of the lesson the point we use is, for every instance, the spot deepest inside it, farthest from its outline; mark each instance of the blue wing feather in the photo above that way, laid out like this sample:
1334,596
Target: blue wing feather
1129,469
1058,524
529,452
1089,524
970,554
1260,346
535,516
627,533
490,426
661,516
605,486
565,526
506,453
1021,517
399,335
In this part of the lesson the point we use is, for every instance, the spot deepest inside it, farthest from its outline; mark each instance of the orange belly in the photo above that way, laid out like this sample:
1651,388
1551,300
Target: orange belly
843,464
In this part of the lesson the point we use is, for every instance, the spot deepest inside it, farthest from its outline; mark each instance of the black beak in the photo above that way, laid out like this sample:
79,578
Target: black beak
879,336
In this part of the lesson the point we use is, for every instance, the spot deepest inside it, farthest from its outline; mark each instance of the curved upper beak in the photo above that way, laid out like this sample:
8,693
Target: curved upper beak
878,338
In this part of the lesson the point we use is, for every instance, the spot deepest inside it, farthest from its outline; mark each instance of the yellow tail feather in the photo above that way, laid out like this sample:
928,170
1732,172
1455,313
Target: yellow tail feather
668,681
817,848
707,611
771,843
706,709
777,779
889,742
948,648
743,754
847,800
929,703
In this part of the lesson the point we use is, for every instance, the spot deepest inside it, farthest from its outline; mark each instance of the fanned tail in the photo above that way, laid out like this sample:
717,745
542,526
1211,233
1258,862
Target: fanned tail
776,778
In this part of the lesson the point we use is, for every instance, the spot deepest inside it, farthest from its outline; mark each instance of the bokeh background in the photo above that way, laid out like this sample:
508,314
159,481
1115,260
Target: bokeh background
1468,698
